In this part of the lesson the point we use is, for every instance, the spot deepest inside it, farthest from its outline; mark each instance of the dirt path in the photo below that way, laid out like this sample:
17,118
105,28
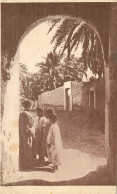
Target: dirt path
78,133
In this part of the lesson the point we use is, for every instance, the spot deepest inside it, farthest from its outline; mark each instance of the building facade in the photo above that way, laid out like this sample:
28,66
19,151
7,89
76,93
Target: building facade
87,96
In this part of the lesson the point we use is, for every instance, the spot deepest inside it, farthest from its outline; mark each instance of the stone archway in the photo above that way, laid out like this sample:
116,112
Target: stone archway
108,98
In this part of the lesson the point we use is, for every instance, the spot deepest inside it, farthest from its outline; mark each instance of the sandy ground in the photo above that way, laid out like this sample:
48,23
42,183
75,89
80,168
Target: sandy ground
75,164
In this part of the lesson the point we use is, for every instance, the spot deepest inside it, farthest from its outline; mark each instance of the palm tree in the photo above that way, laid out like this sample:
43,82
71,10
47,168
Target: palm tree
73,69
50,71
70,33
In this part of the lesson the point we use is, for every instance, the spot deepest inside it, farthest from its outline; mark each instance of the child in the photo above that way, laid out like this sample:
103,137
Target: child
54,143
39,134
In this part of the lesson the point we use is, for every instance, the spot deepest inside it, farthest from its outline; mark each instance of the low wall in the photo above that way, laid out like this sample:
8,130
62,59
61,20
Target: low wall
54,98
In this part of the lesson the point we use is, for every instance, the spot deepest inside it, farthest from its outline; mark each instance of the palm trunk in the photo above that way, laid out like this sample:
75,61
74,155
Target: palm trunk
68,51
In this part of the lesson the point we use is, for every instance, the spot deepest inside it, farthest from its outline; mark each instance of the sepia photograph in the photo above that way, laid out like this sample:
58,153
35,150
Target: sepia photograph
58,93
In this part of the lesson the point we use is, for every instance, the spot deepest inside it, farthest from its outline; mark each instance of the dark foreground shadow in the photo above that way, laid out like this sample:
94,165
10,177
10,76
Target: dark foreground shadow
98,177
45,169
38,167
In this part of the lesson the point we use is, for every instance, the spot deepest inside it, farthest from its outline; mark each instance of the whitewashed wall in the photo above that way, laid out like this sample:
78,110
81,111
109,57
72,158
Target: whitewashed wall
54,98
57,97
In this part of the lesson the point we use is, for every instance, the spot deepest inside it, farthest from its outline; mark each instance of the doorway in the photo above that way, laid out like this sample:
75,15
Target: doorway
67,98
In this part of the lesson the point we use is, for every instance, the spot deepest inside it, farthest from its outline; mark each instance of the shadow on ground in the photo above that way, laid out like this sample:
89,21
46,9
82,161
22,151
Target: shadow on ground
98,177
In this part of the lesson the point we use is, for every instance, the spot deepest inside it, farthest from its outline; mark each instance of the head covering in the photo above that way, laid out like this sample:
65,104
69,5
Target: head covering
40,111
26,104
53,118
49,112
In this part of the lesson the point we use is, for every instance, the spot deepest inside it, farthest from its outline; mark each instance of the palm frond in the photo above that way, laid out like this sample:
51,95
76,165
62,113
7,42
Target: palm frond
53,24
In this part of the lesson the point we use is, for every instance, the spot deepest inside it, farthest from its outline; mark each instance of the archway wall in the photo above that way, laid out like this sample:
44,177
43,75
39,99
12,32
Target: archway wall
12,31
111,93
16,18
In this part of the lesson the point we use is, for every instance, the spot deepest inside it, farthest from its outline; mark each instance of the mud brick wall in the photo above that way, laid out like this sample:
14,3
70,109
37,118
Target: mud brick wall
85,98
77,95
99,88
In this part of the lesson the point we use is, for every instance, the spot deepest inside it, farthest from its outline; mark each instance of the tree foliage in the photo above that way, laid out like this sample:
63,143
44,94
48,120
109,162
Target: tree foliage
51,76
73,69
69,34
30,85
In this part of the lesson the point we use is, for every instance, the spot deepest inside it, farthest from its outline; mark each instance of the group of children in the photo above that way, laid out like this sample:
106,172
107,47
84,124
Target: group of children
39,137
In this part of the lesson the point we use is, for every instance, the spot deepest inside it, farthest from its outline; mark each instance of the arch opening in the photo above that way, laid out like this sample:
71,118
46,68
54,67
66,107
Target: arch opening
16,66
